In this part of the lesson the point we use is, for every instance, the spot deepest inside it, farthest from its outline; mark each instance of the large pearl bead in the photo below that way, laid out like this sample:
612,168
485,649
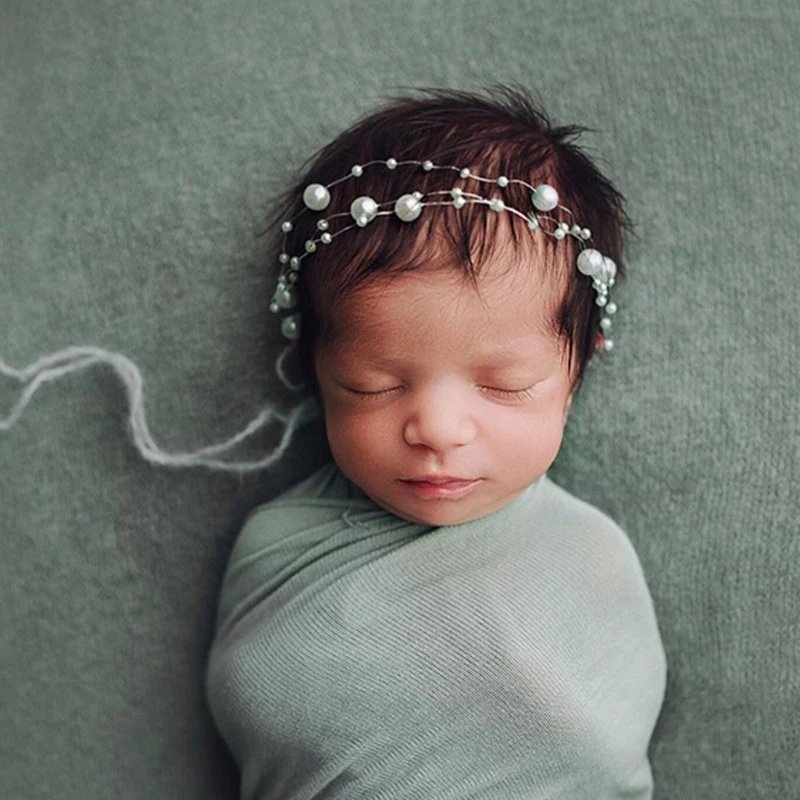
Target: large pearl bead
609,269
590,262
545,197
408,208
316,197
363,210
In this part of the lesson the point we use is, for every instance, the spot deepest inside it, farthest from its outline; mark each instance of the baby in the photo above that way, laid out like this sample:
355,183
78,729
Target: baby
429,616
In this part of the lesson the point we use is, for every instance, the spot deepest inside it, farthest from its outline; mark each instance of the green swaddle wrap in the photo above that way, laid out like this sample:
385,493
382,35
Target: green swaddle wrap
358,655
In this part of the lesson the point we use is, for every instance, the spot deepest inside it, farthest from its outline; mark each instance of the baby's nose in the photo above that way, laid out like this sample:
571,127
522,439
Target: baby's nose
440,418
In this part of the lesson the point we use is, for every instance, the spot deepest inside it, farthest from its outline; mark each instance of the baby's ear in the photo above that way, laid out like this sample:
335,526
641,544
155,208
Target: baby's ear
567,407
598,341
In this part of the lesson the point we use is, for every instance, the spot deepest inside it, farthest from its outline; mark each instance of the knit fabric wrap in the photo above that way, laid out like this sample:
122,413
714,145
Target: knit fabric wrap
358,655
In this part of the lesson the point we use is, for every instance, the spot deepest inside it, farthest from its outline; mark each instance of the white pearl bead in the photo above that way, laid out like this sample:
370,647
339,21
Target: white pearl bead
465,173
322,224
496,204
601,300
408,208
286,226
310,246
502,181
533,221
459,201
294,262
283,258
391,163
608,345
605,323
316,197
326,238
456,192
274,308
611,308
427,165
286,299
357,171
609,268
559,233
575,230
544,197
586,233
290,327
363,210
589,262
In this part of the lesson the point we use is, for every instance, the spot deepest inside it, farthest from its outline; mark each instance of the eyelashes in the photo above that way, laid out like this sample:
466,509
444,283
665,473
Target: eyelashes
505,394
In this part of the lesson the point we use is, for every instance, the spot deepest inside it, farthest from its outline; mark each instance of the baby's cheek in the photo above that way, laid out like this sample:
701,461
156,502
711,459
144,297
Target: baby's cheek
357,437
529,440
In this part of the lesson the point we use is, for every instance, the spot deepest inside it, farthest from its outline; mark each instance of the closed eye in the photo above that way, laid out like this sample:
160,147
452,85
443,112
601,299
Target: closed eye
365,395
508,394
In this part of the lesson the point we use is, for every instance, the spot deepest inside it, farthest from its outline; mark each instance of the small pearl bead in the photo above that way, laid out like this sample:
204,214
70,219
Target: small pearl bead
294,262
605,323
586,233
459,201
533,222
326,238
418,195
286,227
455,192
502,181
601,301
496,204
290,327
357,171
611,308
608,345
559,233
292,278
575,230
322,224
283,258
427,165
273,307
286,299
391,163
465,173
310,246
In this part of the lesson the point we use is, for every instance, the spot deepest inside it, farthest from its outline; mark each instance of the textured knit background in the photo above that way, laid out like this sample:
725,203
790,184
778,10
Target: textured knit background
140,145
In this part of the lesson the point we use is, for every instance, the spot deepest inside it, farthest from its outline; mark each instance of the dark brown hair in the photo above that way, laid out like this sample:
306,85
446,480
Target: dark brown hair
502,133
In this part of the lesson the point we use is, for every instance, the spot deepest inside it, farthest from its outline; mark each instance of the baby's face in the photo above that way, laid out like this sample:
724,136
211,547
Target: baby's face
428,378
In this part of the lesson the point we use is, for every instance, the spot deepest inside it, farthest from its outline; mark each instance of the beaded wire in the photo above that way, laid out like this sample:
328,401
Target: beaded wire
408,207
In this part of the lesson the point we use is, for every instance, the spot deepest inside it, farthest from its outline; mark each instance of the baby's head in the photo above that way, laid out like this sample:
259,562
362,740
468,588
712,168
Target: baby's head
453,343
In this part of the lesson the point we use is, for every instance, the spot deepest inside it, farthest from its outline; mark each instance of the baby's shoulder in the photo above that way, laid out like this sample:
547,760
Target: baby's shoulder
593,535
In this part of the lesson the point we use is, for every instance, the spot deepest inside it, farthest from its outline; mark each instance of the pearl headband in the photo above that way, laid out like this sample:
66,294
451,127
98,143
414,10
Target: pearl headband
363,210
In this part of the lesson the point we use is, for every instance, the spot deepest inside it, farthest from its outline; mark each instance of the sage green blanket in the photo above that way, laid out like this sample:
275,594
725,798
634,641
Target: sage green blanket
358,655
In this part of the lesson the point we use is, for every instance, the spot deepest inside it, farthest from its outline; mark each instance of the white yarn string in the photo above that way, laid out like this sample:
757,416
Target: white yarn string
73,359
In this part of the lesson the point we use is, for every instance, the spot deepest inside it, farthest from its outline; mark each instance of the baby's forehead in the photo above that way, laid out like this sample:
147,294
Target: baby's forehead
503,317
